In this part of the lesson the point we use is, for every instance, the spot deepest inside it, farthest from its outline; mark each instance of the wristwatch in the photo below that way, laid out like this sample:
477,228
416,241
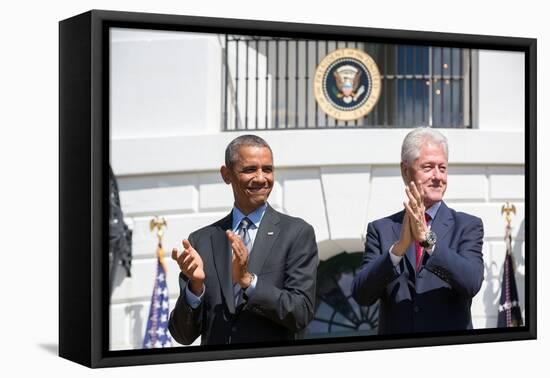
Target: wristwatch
252,276
243,290
431,238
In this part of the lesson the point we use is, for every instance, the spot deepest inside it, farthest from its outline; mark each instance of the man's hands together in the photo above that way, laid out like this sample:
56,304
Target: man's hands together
239,260
414,223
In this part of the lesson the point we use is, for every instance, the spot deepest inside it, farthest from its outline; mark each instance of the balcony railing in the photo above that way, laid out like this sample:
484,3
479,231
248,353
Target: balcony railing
269,85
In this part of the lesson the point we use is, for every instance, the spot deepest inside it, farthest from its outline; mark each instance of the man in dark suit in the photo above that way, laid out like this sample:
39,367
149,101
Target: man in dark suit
424,263
250,277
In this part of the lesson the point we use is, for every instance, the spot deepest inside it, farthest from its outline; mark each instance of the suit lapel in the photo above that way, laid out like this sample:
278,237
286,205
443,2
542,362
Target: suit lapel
265,238
222,260
442,223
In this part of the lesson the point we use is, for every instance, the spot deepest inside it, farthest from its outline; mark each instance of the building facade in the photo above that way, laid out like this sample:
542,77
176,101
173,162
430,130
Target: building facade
177,99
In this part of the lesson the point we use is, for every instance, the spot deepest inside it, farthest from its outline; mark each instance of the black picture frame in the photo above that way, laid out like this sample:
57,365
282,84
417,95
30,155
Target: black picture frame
83,180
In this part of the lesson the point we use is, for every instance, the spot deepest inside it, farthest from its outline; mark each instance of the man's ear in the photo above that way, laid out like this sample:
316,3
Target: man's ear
225,172
404,173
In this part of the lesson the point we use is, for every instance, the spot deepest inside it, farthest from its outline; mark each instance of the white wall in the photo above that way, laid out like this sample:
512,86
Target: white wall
160,81
501,90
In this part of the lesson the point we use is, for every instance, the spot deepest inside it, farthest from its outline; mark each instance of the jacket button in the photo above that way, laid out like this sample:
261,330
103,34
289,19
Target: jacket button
416,308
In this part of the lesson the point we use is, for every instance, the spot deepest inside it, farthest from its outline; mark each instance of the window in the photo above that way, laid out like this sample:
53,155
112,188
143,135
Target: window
268,85
336,312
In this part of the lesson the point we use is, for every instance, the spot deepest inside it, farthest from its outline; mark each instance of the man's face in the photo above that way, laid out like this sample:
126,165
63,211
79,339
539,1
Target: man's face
430,169
251,177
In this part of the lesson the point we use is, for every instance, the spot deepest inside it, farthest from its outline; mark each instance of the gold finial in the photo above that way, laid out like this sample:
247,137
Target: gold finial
508,209
158,224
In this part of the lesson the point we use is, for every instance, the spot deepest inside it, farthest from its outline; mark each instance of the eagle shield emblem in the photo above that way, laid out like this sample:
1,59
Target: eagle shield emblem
347,84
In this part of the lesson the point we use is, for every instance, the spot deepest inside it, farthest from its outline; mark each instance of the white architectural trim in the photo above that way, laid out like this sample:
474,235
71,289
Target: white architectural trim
307,148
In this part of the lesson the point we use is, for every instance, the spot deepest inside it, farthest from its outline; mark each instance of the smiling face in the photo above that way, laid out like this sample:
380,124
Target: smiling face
251,177
430,169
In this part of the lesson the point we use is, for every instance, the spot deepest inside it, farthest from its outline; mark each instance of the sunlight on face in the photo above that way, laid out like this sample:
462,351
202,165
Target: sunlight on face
430,169
251,177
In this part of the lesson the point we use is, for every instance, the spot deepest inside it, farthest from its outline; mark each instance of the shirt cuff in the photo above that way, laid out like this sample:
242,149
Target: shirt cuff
394,258
431,250
250,289
192,300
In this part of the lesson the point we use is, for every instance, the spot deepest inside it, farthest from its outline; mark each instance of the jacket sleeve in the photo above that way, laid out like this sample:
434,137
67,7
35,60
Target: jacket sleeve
293,305
185,323
376,270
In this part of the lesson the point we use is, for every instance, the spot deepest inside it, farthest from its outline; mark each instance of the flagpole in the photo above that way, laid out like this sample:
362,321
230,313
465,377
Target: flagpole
507,210
159,224
509,312
157,334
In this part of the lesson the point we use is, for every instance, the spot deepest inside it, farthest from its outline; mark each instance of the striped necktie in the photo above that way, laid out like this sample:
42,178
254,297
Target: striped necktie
243,232
245,236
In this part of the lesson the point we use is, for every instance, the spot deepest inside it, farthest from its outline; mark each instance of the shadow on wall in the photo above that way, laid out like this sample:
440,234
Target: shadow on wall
136,324
119,276
491,296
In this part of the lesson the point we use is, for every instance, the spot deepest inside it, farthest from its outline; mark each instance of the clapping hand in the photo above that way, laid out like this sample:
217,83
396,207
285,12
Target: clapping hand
239,260
191,265
416,210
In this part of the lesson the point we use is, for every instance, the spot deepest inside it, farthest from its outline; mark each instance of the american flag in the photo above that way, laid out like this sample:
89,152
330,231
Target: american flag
509,312
156,333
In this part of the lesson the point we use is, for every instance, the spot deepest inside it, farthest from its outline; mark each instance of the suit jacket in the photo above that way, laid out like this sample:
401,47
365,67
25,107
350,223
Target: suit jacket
436,298
283,257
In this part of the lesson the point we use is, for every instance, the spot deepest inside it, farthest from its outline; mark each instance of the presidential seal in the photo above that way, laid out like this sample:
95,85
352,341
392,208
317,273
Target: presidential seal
347,84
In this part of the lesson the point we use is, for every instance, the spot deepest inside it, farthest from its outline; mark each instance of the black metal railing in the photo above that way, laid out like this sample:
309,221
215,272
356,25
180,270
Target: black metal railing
268,85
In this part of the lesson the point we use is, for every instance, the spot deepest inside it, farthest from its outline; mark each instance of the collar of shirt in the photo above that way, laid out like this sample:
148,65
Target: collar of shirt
255,217
432,211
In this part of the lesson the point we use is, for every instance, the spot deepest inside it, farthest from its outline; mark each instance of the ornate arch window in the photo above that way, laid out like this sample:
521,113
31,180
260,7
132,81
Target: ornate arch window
336,312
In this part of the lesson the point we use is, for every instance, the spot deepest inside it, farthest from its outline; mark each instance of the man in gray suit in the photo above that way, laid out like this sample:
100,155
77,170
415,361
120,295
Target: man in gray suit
249,277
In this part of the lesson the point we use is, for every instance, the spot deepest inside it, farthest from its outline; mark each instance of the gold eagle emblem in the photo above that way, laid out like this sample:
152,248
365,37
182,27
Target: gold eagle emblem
348,79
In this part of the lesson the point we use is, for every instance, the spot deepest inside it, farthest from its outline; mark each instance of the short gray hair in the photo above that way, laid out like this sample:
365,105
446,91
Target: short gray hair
410,149
249,140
